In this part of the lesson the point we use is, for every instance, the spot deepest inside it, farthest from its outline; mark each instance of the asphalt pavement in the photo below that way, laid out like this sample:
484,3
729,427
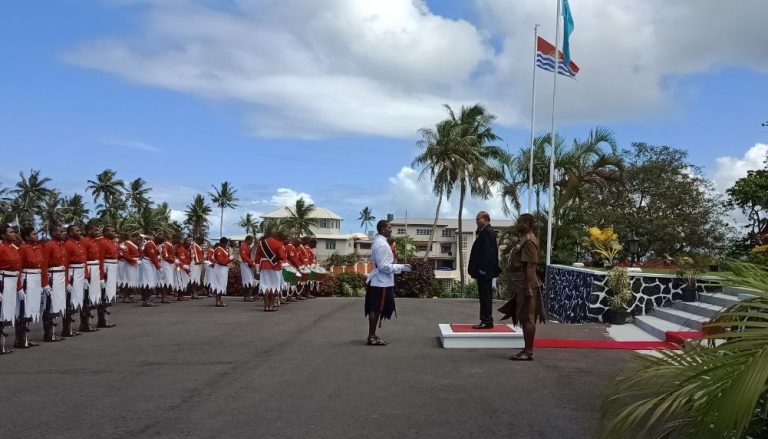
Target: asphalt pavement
195,371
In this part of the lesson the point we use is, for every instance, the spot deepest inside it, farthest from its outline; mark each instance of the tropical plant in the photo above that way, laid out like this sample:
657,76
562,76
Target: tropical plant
249,223
437,160
224,198
406,247
475,169
366,218
196,217
300,218
603,242
109,190
620,294
336,259
51,214
418,282
30,195
151,221
74,210
714,390
137,194
688,270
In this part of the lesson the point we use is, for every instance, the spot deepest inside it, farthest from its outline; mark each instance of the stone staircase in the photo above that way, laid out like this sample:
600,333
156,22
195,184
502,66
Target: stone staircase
685,317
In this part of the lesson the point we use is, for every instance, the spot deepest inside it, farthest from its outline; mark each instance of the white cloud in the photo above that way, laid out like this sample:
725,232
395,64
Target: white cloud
288,197
730,169
409,193
131,144
384,67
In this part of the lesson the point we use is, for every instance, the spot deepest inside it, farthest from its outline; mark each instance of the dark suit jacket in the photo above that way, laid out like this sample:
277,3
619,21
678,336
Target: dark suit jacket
484,256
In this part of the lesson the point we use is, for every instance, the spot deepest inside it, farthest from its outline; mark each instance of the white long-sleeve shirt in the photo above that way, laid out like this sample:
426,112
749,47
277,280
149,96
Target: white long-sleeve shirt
383,275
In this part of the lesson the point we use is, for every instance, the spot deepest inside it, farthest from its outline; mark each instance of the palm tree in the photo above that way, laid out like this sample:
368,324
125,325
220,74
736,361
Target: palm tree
152,220
300,221
6,206
74,211
509,187
109,190
249,223
137,194
366,218
714,391
475,169
52,213
224,198
30,196
437,160
197,216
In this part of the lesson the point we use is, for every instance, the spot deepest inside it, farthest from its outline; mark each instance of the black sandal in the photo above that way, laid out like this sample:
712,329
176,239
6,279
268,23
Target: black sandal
522,356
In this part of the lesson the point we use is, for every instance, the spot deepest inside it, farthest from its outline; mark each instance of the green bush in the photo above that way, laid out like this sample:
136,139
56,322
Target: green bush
438,290
418,282
468,291
350,285
339,260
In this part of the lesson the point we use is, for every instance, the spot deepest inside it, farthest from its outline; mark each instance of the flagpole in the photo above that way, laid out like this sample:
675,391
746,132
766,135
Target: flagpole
553,139
533,118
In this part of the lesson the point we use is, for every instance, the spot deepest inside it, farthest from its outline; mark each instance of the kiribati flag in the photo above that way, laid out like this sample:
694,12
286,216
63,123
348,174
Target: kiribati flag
545,59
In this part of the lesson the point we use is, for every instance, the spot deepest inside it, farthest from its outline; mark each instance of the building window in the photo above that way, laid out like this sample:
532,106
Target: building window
330,245
421,246
445,248
401,231
424,232
447,233
365,246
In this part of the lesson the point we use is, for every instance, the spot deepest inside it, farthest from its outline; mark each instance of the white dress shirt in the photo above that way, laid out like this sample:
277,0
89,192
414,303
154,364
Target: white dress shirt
383,275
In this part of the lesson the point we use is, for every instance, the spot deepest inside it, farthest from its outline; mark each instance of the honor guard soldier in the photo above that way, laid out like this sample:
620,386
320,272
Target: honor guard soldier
55,281
108,250
31,279
76,260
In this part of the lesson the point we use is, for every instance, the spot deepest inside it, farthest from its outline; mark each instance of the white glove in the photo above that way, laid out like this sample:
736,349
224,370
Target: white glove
69,289
47,291
298,275
21,294
185,267
102,284
493,283
406,268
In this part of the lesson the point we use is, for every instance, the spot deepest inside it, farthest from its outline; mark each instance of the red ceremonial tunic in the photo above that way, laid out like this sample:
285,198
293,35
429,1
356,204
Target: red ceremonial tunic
292,255
54,255
197,253
303,255
168,252
91,248
10,260
277,248
131,253
182,253
221,256
31,255
245,254
150,252
108,249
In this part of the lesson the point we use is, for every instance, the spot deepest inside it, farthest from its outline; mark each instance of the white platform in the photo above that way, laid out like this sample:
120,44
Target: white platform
479,339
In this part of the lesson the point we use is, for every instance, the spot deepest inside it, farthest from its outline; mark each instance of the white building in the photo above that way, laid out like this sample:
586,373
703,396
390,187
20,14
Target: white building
327,232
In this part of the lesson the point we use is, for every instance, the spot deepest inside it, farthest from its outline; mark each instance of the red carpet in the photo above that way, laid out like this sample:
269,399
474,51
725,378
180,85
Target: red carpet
570,343
461,327
682,336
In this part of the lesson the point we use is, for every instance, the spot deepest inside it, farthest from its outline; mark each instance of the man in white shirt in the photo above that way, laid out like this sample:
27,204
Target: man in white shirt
380,296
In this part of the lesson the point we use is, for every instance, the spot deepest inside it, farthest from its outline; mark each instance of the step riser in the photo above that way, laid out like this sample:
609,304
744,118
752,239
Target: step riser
719,301
693,309
654,331
680,320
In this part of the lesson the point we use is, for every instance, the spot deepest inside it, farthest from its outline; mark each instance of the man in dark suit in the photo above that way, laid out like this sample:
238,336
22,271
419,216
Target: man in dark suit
484,267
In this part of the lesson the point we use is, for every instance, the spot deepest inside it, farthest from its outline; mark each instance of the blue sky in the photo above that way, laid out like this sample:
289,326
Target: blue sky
324,98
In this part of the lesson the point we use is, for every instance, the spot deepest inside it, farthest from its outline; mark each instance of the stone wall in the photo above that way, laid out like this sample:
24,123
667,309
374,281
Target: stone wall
578,295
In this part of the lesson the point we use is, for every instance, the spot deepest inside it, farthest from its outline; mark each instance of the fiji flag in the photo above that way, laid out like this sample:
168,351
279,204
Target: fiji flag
545,59
567,30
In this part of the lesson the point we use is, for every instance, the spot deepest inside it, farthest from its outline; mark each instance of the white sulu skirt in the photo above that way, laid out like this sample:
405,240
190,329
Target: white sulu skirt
57,278
94,283
77,280
208,280
270,280
131,276
220,277
246,274
148,274
168,278
8,304
111,277
121,273
195,272
33,291
182,279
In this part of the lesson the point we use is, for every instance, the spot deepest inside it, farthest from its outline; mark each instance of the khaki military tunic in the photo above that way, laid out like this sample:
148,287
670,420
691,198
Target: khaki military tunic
520,307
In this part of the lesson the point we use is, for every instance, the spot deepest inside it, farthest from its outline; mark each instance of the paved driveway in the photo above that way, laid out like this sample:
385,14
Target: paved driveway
192,370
